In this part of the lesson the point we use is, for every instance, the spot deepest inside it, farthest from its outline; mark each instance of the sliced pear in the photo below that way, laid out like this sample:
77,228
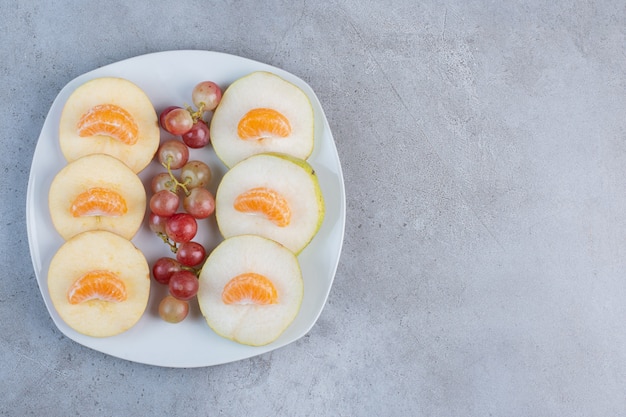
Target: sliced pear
262,112
99,283
250,290
112,116
271,195
97,192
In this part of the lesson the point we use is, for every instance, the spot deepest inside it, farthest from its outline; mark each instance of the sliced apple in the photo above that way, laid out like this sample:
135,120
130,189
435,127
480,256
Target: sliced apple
112,116
99,283
97,192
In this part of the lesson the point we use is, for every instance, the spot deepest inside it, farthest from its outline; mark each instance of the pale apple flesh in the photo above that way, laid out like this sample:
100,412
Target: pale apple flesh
96,171
99,251
119,92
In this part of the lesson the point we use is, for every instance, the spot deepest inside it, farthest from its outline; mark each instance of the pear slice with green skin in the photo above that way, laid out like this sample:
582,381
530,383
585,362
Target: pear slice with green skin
265,91
250,323
293,179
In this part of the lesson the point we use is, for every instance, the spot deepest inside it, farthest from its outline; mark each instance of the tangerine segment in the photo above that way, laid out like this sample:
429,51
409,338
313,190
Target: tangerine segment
98,201
250,288
97,285
109,120
261,123
265,201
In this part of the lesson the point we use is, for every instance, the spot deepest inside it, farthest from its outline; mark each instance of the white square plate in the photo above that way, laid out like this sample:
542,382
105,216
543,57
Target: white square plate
168,78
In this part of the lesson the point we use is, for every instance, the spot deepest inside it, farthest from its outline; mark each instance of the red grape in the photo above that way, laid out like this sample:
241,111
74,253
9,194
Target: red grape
195,174
181,227
183,285
175,152
164,268
207,93
190,253
177,121
200,203
162,181
164,203
157,223
164,113
198,136
173,310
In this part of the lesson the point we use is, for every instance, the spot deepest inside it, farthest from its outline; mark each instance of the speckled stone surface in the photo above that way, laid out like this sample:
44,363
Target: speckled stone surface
483,147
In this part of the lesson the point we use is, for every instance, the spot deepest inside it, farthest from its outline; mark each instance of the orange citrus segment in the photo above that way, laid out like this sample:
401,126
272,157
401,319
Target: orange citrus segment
98,201
97,285
262,123
250,288
109,120
264,201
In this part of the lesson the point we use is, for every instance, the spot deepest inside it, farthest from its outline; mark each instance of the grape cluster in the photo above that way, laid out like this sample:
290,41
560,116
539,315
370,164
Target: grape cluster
182,184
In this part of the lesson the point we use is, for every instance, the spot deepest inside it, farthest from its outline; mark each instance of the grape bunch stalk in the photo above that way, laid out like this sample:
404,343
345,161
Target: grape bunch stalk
183,184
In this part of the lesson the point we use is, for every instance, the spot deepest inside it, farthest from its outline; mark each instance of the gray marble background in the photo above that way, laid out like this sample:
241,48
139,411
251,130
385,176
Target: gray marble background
483,146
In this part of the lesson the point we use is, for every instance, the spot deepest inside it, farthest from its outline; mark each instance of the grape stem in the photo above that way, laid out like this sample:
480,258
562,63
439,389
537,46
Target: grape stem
196,271
196,115
176,183
168,241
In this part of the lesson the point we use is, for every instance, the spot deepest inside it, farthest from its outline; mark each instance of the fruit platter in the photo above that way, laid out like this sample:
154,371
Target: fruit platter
185,209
